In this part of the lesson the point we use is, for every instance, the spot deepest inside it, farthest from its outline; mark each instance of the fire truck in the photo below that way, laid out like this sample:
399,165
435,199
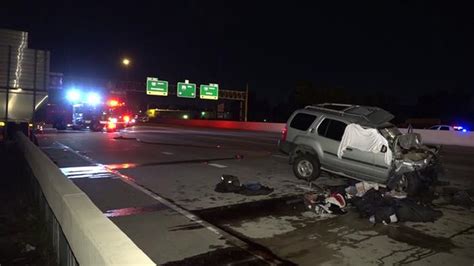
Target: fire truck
109,115
79,110
113,114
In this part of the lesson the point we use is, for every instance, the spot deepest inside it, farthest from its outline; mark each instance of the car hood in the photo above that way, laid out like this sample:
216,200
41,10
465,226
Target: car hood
372,115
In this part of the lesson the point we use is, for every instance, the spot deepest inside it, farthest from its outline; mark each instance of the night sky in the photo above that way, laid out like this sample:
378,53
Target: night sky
388,46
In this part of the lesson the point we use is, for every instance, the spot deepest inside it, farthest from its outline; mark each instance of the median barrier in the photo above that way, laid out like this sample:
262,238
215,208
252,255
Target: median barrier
428,136
440,137
226,124
80,232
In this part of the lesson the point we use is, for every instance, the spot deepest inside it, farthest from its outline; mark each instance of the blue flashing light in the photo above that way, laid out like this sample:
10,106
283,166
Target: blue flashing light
464,130
73,95
93,98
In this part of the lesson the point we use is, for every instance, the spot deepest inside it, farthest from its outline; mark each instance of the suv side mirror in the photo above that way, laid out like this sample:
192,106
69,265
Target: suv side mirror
383,149
312,130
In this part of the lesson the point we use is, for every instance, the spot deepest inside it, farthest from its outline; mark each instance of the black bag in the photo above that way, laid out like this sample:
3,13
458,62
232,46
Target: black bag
368,203
228,183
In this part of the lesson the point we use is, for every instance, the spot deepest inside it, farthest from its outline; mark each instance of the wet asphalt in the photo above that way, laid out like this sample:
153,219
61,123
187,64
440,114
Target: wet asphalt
182,165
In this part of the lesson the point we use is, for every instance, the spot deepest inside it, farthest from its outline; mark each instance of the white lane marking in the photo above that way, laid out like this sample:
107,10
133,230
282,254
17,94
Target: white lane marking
280,156
155,196
218,165
167,153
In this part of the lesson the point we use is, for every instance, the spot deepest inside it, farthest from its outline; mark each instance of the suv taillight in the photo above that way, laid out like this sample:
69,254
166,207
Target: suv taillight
284,132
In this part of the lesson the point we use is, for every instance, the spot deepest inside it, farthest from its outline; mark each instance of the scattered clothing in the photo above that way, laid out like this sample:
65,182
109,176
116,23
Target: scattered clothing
364,139
384,215
369,202
409,211
384,208
365,186
325,203
231,184
396,194
254,189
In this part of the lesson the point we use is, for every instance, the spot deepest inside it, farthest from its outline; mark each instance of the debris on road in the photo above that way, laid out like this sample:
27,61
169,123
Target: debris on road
359,189
230,183
325,203
389,207
29,248
372,201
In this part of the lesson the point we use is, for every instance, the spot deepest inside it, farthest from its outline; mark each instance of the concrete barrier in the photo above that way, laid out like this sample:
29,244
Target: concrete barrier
92,238
440,137
428,136
224,124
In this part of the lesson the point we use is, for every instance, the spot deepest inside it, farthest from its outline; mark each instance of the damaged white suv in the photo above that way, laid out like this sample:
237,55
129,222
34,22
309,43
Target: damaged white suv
357,142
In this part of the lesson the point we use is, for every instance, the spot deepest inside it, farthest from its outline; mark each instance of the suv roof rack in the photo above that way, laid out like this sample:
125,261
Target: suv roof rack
341,109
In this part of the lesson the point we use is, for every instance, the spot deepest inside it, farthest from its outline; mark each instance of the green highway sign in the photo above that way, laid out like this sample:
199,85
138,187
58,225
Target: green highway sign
209,92
156,87
186,90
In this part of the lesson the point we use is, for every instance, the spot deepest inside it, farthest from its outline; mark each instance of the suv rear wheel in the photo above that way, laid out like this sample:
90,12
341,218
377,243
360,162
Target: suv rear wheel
306,167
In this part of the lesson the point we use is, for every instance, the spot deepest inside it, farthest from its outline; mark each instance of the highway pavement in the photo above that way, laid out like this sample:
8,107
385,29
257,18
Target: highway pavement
157,184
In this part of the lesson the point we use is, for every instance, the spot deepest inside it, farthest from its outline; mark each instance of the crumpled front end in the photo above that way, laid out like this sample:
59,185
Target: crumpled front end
415,166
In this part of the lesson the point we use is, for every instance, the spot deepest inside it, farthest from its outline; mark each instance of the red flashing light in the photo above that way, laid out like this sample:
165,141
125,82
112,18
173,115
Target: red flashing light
112,103
111,125
126,118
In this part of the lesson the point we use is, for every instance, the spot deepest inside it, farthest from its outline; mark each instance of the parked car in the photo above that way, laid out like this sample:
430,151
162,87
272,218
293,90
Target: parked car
448,128
442,127
312,137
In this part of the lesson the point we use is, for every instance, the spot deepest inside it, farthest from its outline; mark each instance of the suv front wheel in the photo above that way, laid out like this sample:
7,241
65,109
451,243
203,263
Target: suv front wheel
306,167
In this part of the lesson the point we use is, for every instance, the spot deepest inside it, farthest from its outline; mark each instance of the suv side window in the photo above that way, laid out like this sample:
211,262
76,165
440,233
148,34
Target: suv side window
332,129
444,128
323,127
302,121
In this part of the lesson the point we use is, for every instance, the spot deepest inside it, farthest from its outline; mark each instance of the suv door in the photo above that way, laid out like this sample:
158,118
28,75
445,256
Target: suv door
354,162
299,126
330,142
